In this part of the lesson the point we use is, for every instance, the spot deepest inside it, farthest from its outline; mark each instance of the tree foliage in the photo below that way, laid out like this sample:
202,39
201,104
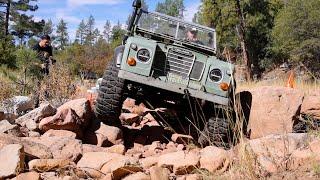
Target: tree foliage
296,33
258,18
171,7
62,36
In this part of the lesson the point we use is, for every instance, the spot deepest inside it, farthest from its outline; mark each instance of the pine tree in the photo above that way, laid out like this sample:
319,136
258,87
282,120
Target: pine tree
48,29
62,34
171,7
89,31
24,27
107,30
96,35
80,34
14,10
117,33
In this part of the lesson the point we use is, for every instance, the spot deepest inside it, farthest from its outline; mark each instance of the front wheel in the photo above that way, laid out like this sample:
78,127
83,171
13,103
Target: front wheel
216,132
110,98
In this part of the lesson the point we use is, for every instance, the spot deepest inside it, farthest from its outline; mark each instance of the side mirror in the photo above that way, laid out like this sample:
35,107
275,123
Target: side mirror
137,4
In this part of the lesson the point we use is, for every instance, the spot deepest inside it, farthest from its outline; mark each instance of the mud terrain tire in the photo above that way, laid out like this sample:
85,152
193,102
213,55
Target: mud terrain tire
216,132
110,97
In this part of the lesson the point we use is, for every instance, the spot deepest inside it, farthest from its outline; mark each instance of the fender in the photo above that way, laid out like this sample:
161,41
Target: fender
118,53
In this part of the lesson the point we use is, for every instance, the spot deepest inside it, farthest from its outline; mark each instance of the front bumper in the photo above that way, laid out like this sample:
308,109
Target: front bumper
172,87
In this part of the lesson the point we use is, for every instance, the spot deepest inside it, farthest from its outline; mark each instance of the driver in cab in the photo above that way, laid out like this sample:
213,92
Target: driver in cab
192,36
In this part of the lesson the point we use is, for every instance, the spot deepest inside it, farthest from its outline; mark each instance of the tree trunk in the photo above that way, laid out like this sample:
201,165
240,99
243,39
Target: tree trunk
243,44
7,18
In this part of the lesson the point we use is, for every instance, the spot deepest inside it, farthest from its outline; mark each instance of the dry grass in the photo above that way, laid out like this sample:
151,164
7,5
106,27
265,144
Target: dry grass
59,86
308,88
7,89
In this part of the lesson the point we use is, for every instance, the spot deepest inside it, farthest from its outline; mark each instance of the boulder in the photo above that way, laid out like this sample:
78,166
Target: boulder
129,103
12,160
267,164
28,176
190,177
273,110
278,145
311,106
180,162
31,149
182,139
149,162
103,135
45,165
33,134
5,126
59,133
65,119
118,149
82,108
137,176
21,104
121,166
129,118
159,173
92,162
214,159
31,119
61,147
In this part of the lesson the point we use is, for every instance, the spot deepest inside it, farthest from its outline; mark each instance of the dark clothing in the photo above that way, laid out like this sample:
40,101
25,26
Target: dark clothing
41,52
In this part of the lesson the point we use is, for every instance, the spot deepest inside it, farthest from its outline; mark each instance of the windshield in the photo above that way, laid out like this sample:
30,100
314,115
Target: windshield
177,29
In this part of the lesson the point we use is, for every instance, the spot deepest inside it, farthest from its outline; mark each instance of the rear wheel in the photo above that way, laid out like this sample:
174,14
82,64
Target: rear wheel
111,96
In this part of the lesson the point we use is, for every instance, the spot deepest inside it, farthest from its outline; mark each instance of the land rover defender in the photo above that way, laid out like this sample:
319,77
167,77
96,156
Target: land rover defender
171,58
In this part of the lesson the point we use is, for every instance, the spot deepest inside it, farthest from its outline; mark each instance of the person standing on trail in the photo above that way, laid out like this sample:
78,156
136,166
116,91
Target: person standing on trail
44,53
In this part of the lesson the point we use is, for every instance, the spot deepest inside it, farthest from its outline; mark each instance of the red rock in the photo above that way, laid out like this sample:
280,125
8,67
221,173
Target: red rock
149,162
273,110
159,173
214,159
277,145
45,165
137,176
121,166
30,119
12,160
311,106
129,103
315,146
104,135
95,160
267,164
129,118
28,176
156,145
59,133
31,149
182,139
82,108
181,162
190,177
301,157
65,119
61,147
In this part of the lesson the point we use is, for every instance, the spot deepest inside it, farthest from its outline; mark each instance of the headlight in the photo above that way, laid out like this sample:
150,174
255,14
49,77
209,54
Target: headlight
143,55
215,75
134,46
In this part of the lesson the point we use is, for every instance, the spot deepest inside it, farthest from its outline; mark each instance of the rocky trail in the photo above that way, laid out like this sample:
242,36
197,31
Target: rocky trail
67,142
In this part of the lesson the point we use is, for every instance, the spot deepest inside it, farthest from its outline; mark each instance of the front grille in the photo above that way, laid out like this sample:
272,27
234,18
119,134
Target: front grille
179,61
